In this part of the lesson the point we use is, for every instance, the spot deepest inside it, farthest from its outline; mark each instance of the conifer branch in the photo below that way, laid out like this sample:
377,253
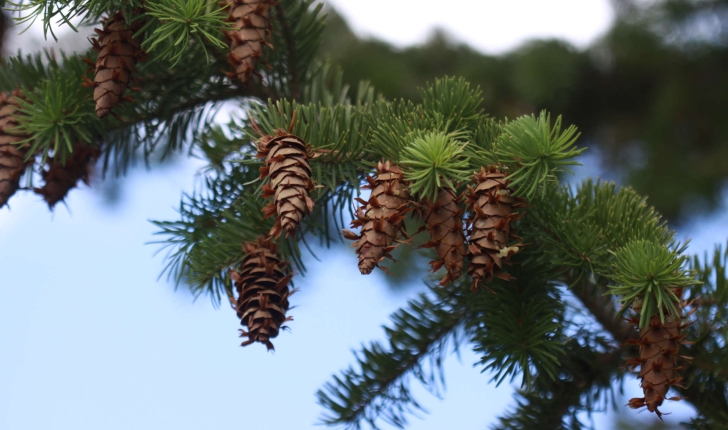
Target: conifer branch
378,390
584,377
295,84
602,308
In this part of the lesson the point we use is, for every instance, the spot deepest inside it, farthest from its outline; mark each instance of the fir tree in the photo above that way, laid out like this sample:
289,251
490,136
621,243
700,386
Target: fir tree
295,160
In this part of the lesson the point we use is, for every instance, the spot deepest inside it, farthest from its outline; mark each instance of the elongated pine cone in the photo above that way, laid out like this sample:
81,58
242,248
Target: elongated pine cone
444,222
119,53
380,218
659,346
250,33
289,173
60,178
12,156
491,235
262,288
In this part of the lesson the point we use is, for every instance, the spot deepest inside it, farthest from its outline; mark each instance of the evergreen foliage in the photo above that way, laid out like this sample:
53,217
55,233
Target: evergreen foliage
587,252
648,93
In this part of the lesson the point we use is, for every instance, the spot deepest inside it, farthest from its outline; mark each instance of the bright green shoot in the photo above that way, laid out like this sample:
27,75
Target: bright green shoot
535,151
432,160
182,20
651,272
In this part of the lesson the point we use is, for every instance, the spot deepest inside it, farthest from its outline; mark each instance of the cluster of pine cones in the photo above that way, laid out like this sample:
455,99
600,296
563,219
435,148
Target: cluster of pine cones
262,283
381,219
58,177
491,237
118,54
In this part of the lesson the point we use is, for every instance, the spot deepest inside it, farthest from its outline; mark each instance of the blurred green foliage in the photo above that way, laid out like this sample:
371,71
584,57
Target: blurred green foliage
651,93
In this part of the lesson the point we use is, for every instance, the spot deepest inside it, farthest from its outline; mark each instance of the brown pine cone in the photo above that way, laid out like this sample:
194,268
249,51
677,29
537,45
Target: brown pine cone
119,53
60,177
492,206
380,218
12,156
659,346
262,288
250,33
289,172
444,223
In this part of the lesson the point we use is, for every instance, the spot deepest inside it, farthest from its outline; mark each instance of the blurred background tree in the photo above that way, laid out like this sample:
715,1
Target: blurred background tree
651,94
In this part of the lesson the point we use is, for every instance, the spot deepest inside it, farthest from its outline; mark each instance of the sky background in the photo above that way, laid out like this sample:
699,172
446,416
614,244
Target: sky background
89,339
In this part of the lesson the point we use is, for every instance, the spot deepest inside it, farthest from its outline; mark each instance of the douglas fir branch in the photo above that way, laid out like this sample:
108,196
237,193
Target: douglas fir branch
566,287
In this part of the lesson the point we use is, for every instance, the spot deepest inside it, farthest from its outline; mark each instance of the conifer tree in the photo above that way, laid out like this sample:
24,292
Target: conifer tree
301,152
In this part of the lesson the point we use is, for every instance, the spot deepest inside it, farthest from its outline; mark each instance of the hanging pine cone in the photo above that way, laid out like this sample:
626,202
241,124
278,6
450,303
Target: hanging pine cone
492,206
659,346
444,223
60,178
380,218
251,31
289,172
262,288
118,54
12,157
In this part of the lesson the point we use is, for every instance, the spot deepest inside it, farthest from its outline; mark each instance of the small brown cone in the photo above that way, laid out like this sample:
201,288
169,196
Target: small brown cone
492,206
659,346
250,33
380,218
12,156
444,223
289,173
119,53
262,288
60,178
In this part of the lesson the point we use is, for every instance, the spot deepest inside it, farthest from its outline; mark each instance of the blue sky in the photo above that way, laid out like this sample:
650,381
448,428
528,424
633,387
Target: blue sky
91,340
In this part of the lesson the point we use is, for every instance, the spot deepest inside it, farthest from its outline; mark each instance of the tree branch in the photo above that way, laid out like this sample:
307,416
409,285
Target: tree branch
291,49
602,308
376,391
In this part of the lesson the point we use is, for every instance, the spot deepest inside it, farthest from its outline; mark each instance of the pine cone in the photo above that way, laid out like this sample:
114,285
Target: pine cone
262,288
444,223
60,178
492,206
659,346
380,218
251,30
12,157
118,54
287,167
